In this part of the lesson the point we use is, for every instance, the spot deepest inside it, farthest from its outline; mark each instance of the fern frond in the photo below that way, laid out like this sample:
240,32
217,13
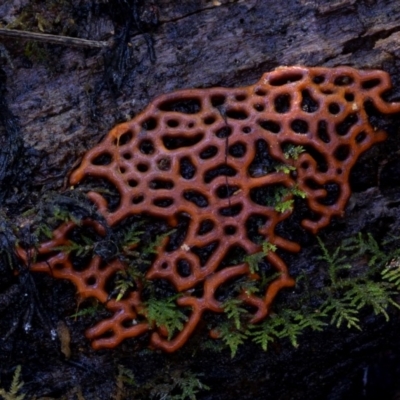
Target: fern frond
336,262
284,206
64,215
363,245
264,334
232,337
286,169
233,311
132,236
16,386
253,260
374,294
165,313
189,384
80,249
268,247
293,151
43,229
122,286
152,248
311,320
286,327
127,279
343,312
378,256
335,259
391,273
126,375
288,324
90,311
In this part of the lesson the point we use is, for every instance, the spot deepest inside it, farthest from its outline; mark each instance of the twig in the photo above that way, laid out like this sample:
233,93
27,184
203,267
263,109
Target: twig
45,37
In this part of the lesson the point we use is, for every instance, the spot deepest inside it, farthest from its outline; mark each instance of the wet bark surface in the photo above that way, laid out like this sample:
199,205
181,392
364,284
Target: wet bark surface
57,101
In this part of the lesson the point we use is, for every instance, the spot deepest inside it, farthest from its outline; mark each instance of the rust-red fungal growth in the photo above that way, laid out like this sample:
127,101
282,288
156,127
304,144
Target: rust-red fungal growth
208,154
90,279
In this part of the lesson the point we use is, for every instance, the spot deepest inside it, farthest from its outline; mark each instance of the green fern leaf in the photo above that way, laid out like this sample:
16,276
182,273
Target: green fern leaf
343,312
189,384
286,169
165,313
232,337
374,294
292,151
283,206
233,311
298,192
313,321
132,236
268,247
152,248
16,386
253,261
264,334
391,273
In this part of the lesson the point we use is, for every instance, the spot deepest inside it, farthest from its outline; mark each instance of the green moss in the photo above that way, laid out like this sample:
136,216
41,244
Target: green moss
348,291
16,386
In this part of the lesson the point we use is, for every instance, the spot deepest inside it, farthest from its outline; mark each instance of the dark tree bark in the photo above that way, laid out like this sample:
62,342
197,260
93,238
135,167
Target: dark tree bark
58,101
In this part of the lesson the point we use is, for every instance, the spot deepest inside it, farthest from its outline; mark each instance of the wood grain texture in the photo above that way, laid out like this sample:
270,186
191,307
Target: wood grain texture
196,45
65,100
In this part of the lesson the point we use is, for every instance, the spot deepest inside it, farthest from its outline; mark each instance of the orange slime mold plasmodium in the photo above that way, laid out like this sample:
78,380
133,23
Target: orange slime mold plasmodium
194,153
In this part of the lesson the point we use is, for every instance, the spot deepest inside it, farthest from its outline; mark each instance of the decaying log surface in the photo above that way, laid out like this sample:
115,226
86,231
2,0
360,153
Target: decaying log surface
56,102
